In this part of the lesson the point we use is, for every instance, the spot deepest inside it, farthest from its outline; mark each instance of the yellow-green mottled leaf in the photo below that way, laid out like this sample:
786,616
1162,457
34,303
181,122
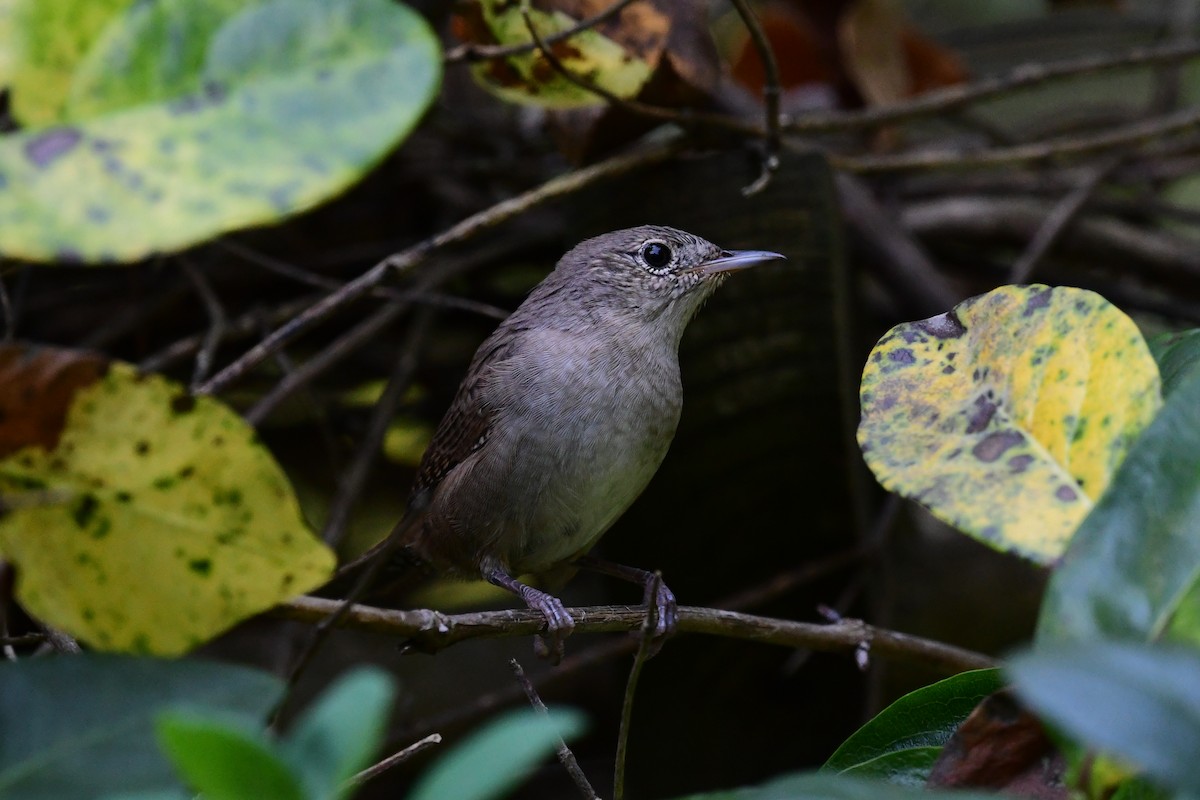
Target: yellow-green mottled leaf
529,78
41,44
140,518
1008,416
156,53
187,120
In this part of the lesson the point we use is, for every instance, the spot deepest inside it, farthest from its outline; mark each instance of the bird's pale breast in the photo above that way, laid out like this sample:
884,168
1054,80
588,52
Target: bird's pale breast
543,498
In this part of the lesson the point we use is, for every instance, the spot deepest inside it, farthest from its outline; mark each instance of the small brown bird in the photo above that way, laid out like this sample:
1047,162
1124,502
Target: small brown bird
565,414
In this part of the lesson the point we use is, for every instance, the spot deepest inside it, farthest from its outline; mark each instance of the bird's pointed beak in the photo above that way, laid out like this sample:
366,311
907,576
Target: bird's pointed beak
731,260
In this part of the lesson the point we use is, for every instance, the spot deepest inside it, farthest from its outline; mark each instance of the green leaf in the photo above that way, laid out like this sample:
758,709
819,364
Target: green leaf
1133,569
910,767
154,54
1138,702
1178,356
497,758
823,786
225,762
82,727
140,518
184,124
1008,416
902,741
530,79
338,736
45,42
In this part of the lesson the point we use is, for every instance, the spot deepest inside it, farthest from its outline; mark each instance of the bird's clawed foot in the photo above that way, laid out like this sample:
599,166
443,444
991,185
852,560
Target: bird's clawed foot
559,625
660,601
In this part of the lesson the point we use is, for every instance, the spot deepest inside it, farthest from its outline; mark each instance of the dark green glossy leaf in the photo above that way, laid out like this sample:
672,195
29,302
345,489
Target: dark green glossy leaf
338,735
227,762
1131,570
82,727
823,786
1178,356
497,758
1138,702
908,767
902,741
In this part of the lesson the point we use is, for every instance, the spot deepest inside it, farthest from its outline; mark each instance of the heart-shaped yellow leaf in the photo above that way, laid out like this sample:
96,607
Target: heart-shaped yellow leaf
1008,416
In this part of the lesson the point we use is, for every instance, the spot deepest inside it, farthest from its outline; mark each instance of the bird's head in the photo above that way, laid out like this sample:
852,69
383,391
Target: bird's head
653,270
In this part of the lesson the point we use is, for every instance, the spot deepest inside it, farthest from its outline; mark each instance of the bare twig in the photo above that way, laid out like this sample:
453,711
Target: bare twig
405,261
240,327
565,756
251,322
433,630
340,610
1172,258
1126,136
766,54
902,262
277,265
348,492
471,53
395,759
347,343
1060,217
216,320
352,482
645,643
1024,77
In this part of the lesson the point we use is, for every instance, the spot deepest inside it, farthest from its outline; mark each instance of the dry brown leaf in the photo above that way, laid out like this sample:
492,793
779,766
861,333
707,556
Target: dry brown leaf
1001,746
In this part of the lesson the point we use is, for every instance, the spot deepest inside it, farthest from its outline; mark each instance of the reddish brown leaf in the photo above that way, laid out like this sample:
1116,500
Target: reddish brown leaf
1001,746
673,37
802,54
865,51
930,65
37,386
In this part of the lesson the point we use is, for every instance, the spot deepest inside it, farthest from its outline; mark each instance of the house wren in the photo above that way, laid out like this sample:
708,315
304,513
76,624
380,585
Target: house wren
565,414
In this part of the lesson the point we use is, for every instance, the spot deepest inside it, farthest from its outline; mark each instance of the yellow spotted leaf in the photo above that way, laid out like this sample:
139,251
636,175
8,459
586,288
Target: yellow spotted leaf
1008,416
42,42
140,518
531,79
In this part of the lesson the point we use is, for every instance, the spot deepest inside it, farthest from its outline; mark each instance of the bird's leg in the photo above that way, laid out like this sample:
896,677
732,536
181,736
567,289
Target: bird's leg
558,622
656,594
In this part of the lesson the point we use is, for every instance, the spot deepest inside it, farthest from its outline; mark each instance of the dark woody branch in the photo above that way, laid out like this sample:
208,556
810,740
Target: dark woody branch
426,630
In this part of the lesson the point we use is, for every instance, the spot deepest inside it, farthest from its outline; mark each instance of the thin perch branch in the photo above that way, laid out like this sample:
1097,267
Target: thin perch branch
431,631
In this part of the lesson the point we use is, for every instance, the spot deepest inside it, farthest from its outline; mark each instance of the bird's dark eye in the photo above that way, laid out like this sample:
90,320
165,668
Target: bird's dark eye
656,254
